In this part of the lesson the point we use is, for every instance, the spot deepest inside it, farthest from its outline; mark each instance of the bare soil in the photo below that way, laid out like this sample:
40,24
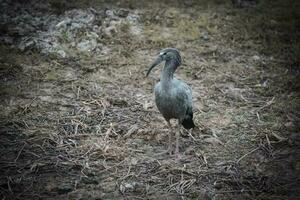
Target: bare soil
85,126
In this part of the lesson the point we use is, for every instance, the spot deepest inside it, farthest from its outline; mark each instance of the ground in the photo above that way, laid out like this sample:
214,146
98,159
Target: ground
78,120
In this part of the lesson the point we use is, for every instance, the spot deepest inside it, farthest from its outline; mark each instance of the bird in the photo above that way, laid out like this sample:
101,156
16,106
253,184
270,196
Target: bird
173,97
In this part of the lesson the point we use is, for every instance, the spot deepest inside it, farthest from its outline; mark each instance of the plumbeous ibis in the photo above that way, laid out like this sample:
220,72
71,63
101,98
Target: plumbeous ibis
173,97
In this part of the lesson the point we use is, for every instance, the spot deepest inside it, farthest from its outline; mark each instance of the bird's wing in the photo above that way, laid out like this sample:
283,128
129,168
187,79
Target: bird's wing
185,90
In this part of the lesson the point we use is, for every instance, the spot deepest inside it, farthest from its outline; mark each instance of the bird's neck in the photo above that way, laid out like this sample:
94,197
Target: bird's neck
167,74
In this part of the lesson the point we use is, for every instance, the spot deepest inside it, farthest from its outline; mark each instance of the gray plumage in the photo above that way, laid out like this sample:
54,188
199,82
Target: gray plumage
173,97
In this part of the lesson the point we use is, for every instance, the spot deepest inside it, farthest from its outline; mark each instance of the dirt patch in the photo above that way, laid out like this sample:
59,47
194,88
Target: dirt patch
82,124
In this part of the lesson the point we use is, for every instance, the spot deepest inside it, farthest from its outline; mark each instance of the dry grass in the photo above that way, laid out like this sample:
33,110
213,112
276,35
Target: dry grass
88,128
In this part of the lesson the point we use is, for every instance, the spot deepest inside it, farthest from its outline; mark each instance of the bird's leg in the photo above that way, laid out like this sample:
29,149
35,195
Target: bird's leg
170,138
169,150
177,139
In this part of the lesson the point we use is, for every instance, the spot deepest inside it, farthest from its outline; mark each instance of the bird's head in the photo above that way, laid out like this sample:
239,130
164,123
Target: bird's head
166,54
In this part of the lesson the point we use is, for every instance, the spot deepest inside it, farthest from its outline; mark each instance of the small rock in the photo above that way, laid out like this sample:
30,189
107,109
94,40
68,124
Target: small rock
87,45
62,53
127,186
205,36
255,58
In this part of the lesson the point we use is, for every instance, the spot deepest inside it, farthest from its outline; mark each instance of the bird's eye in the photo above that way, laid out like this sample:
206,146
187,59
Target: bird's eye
162,53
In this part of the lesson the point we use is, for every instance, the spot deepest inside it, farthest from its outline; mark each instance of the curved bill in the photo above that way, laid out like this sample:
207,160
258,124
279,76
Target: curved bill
155,63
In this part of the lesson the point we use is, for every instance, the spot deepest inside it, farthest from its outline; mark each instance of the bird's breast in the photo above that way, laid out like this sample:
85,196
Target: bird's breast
169,104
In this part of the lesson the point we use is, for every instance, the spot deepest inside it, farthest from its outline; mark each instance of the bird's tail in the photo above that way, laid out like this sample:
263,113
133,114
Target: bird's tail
188,122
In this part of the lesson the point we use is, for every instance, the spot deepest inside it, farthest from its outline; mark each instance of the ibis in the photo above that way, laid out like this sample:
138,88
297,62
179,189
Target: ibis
173,97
